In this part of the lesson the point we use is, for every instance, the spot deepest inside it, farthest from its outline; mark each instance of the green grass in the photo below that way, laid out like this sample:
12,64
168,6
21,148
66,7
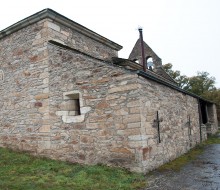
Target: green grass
178,163
213,139
19,171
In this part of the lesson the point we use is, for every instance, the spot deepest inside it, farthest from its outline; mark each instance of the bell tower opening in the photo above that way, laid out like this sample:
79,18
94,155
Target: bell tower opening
150,63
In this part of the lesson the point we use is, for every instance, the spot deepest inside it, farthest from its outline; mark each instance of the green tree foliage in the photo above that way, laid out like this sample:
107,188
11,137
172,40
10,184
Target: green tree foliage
213,95
202,84
182,80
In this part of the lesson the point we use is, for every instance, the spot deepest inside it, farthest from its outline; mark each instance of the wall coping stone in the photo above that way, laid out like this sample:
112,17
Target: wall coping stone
51,14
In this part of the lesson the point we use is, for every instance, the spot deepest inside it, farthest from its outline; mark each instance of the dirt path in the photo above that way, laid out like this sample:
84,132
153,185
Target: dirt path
201,174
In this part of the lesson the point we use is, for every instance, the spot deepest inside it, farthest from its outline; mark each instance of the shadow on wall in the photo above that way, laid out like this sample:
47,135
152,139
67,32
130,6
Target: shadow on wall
218,114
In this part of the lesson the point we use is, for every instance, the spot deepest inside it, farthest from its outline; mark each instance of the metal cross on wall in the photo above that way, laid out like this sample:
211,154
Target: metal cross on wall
157,121
189,124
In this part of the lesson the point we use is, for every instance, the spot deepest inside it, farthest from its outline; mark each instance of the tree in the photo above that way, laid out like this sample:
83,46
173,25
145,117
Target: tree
201,84
182,80
213,95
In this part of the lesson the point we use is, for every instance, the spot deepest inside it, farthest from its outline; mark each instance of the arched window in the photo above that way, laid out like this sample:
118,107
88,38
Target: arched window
150,63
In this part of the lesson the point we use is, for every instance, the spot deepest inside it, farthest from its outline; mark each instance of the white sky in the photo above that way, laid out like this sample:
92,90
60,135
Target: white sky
185,33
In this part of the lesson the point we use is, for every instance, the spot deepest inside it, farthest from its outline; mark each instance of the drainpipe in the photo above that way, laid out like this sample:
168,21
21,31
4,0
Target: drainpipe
142,49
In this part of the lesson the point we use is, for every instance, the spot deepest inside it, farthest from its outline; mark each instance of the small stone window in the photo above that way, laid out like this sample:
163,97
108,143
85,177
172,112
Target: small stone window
72,104
72,109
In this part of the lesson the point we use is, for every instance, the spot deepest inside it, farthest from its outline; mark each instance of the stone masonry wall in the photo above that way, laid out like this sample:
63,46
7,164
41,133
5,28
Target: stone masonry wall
115,123
212,124
119,111
24,89
25,121
179,123
76,40
101,133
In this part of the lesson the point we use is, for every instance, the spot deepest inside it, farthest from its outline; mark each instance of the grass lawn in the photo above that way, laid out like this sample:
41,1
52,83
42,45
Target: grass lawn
178,163
21,171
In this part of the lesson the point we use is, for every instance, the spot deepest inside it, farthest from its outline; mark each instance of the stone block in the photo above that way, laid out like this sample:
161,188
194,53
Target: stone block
135,103
121,150
122,111
134,125
43,109
131,118
62,113
44,75
73,119
53,26
92,126
42,96
137,137
86,139
123,88
112,97
46,81
65,33
43,145
134,109
44,129
129,132
120,126
146,152
38,104
85,110
102,105
101,81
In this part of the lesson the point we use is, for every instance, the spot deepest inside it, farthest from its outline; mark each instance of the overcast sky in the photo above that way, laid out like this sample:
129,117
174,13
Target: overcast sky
185,33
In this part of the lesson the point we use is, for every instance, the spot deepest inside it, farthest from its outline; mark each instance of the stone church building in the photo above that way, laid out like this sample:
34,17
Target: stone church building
65,94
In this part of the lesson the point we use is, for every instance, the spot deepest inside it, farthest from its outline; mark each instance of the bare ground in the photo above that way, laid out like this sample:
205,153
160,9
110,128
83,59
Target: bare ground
201,174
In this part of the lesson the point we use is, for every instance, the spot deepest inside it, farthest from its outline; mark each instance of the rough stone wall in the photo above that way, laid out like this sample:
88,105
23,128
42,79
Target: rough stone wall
118,127
24,90
107,101
76,40
117,108
25,120
212,125
179,123
136,54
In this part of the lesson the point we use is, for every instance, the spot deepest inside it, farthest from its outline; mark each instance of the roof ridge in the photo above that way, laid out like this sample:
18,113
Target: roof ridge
49,13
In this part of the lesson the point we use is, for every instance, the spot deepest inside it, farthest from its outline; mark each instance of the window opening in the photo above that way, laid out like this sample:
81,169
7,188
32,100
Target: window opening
72,104
72,109
204,113
150,63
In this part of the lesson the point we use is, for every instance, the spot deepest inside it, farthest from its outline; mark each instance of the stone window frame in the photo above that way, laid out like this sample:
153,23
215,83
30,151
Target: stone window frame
66,116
